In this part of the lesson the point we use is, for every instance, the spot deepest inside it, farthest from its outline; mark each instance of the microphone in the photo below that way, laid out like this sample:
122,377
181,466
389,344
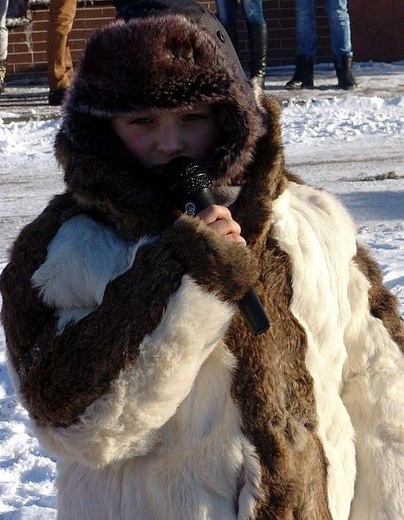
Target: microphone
191,191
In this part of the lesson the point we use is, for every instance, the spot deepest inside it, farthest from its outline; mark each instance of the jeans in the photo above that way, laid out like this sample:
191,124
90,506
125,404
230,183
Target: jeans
3,30
60,65
252,9
306,29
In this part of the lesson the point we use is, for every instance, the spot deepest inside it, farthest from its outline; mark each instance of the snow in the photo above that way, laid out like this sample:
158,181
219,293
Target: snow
351,145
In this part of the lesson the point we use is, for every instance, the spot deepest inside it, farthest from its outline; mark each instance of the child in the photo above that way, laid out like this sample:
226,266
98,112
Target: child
125,339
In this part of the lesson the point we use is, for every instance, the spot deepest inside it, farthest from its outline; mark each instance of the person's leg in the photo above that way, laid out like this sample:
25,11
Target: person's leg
253,11
306,44
340,30
226,11
257,38
3,43
60,66
306,28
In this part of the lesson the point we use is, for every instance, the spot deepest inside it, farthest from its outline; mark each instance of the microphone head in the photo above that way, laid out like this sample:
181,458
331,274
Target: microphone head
185,180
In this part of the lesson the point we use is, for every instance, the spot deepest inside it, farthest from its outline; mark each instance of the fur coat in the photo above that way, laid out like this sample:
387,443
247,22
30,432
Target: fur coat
124,337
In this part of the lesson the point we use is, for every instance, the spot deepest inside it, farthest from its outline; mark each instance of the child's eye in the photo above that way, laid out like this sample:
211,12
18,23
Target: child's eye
194,116
141,121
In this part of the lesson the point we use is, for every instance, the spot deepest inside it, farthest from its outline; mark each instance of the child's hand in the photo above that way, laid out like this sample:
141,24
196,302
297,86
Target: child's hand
220,220
224,267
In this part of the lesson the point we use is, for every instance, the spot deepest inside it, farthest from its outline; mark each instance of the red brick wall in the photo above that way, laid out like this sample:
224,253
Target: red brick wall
377,33
378,29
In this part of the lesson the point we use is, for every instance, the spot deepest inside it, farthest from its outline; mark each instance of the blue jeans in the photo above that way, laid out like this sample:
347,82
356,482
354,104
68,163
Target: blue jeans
306,28
252,9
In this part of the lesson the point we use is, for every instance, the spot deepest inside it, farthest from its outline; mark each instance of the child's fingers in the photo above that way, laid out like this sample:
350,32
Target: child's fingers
220,220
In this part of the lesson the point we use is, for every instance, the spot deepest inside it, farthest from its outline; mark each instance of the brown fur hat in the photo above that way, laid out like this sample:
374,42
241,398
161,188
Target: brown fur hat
163,59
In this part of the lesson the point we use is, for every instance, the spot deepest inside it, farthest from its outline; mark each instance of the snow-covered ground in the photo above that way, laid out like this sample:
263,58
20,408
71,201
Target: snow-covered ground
350,145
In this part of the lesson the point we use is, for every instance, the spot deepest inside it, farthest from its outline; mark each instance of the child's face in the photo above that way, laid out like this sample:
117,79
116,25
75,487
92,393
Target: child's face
155,137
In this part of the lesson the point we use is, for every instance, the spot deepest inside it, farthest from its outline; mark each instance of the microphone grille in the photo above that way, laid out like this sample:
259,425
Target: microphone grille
184,177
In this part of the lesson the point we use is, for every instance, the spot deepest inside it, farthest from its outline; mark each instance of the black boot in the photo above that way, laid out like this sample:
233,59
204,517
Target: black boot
3,69
343,67
258,40
304,73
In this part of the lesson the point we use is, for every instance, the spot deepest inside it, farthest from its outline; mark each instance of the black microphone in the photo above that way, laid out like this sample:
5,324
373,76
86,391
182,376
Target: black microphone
190,189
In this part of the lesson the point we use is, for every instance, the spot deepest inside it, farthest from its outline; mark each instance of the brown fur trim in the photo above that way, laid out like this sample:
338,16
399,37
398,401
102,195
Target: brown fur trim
383,304
272,384
221,266
127,198
264,180
85,368
274,391
169,61
23,312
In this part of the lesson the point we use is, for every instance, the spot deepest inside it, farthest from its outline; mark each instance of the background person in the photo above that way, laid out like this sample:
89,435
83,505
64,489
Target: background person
256,29
60,65
121,314
306,43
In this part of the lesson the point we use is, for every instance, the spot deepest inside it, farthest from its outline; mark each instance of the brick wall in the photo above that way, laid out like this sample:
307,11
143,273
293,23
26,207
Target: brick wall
377,32
27,44
378,29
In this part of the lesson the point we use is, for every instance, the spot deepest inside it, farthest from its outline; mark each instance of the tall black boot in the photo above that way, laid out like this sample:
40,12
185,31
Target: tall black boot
304,73
3,69
343,68
258,40
233,35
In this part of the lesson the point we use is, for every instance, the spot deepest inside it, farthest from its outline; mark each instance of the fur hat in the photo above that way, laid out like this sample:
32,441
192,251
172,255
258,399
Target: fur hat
163,54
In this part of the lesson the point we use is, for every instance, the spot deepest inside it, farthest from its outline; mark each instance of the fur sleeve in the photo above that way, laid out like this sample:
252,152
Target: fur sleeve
127,356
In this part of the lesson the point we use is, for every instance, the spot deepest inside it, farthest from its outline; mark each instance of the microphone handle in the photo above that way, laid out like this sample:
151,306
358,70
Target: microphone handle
253,311
199,201
250,305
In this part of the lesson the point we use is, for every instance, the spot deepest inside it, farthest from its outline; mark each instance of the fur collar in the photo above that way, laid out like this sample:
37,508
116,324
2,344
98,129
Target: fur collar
129,199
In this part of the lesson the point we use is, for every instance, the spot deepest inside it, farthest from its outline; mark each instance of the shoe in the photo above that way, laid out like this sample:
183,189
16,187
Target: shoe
3,69
304,74
258,41
56,97
343,68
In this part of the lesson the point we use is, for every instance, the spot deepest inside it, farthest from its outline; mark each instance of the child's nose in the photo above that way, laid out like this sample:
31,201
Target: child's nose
171,141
